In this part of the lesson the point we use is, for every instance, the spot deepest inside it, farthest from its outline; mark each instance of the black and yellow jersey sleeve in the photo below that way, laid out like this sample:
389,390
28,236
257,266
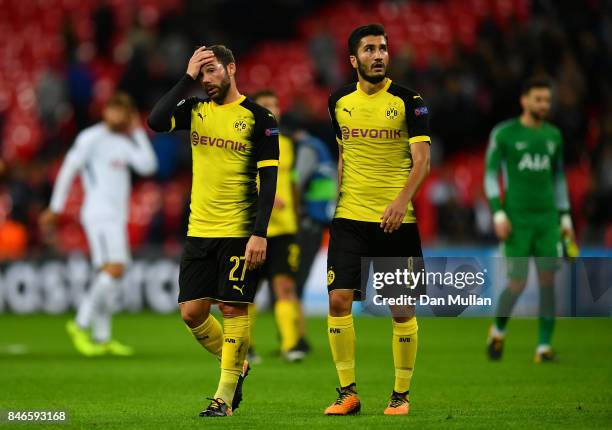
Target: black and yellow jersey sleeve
265,135
173,108
375,132
181,117
416,113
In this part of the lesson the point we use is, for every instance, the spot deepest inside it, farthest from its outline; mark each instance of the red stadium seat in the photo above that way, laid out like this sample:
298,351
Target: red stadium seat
71,237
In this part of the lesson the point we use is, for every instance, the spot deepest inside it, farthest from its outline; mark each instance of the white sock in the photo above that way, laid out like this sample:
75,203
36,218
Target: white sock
495,332
102,313
543,348
85,310
92,299
102,327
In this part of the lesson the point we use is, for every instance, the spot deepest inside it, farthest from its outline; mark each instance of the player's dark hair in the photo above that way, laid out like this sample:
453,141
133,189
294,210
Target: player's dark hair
263,93
121,99
223,54
532,83
361,32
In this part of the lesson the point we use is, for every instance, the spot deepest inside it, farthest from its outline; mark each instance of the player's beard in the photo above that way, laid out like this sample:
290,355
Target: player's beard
373,79
537,116
222,90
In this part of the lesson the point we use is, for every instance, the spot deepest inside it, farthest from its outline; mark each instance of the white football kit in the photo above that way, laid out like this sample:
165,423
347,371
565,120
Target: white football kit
103,159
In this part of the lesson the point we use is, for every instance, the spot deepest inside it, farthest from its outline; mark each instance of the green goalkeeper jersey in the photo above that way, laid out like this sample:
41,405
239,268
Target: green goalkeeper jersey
531,161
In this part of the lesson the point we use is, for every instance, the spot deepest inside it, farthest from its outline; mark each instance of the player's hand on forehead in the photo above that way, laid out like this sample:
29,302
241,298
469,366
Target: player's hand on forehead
209,58
201,57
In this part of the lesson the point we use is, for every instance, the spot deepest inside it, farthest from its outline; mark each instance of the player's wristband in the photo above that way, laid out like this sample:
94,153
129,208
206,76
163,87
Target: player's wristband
500,216
566,222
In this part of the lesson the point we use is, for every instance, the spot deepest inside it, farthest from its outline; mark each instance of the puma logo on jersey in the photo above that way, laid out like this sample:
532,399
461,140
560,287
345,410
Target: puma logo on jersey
350,112
236,287
534,163
201,116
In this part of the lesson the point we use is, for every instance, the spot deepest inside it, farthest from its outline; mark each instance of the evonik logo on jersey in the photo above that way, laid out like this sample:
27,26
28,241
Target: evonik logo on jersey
217,142
370,133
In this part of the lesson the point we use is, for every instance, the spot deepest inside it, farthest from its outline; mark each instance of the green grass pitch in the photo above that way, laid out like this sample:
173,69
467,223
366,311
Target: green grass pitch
166,383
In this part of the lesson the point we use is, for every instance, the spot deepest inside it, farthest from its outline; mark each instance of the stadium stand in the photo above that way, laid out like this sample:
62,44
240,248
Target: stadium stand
57,69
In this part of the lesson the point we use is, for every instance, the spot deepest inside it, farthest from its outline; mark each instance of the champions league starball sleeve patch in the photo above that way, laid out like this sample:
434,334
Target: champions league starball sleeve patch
421,111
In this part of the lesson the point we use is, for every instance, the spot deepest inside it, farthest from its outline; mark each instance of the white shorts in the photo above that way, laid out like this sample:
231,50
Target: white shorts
108,242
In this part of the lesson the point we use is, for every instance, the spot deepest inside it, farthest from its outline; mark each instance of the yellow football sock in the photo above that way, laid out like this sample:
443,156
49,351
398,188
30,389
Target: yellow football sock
235,346
287,316
252,319
405,343
301,321
210,335
341,333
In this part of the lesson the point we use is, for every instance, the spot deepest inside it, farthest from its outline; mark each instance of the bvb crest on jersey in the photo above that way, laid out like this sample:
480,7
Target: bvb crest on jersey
241,126
391,112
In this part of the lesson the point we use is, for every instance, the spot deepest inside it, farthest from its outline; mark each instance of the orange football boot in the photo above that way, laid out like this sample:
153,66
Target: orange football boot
398,405
347,402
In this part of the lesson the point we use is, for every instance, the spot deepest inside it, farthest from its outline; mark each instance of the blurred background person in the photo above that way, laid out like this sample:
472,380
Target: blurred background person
283,259
102,156
529,220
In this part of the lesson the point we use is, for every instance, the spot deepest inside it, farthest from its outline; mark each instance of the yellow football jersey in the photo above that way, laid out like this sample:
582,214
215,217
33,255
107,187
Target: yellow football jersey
228,144
375,132
284,220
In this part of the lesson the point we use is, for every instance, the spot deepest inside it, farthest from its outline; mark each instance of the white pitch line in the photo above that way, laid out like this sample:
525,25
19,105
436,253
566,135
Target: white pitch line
14,349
